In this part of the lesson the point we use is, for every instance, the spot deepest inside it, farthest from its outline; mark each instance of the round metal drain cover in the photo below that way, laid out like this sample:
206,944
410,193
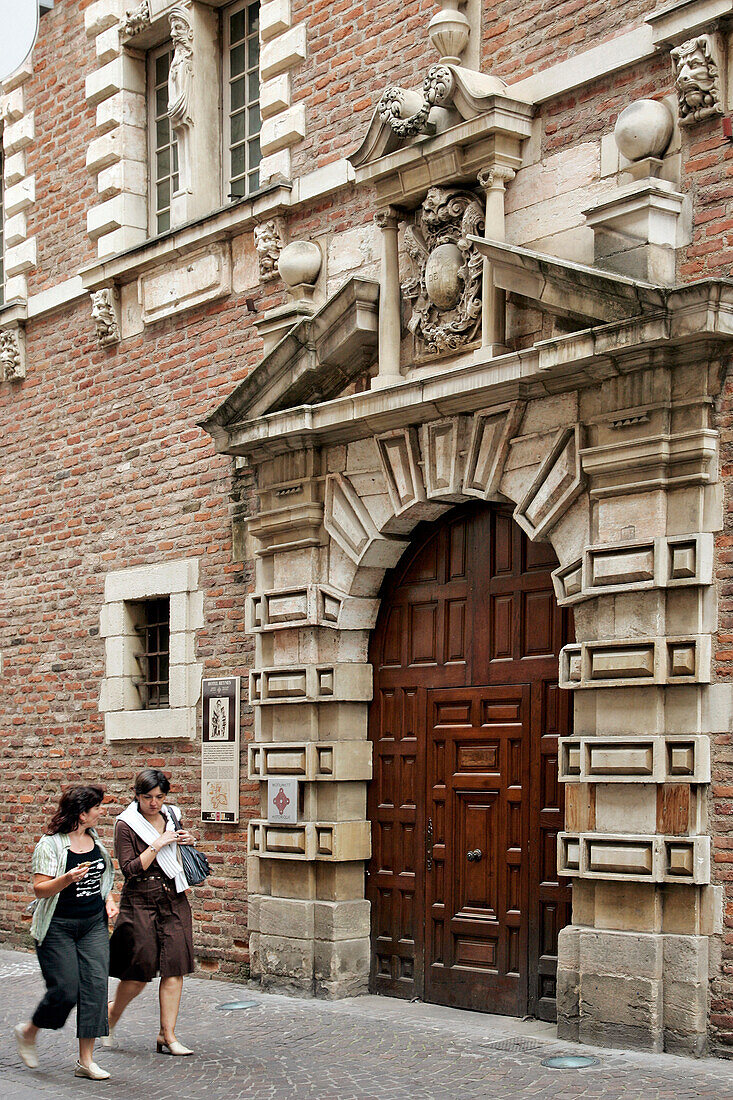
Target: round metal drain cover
570,1061
230,1006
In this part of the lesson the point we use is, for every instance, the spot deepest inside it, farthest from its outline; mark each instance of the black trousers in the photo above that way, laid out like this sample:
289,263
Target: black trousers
74,958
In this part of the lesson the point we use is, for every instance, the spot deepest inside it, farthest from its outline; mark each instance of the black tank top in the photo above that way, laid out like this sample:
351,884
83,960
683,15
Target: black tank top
82,898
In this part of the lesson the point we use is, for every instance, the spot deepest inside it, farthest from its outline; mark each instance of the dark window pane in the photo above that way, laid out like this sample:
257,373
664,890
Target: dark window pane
164,222
255,156
161,102
236,26
162,65
253,119
253,53
162,133
163,162
253,180
163,194
238,165
237,132
253,19
253,86
237,94
237,60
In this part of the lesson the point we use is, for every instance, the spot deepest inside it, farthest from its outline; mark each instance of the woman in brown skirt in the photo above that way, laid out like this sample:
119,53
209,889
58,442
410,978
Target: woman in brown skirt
153,934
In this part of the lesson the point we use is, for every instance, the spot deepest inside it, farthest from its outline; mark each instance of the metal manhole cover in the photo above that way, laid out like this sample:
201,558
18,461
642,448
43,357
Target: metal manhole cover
230,1006
570,1061
515,1046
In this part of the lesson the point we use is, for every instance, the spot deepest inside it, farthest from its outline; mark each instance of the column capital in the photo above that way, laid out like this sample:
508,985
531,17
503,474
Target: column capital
387,218
495,177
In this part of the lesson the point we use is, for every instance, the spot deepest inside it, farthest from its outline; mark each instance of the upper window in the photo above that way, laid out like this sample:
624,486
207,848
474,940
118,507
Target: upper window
162,141
241,99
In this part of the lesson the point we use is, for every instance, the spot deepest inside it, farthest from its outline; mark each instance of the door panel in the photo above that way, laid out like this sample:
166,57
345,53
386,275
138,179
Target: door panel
465,721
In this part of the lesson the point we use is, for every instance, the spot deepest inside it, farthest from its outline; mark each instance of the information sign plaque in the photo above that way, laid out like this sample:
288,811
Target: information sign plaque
282,801
220,750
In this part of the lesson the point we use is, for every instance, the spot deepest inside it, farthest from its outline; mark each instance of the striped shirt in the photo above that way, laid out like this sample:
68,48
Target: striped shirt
49,858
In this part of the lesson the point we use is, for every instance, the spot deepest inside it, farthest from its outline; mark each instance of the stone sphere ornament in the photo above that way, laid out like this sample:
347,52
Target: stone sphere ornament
644,129
300,262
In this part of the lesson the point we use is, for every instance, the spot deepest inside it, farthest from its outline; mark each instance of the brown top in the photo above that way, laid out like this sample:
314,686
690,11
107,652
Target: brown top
128,849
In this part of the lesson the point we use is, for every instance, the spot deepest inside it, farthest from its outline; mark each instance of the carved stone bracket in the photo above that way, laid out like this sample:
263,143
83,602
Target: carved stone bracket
106,315
136,19
446,292
269,242
12,354
698,68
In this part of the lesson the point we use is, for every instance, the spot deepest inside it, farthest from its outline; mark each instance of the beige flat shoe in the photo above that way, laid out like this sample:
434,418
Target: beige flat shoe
174,1047
92,1071
26,1050
108,1041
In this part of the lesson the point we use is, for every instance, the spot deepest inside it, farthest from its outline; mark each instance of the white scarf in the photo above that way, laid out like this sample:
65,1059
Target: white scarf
167,858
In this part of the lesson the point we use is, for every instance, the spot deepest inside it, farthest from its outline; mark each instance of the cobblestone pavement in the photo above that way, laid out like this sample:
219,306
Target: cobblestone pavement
366,1048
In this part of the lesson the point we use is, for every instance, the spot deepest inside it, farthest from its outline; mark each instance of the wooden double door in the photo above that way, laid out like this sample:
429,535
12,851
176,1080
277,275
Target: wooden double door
465,804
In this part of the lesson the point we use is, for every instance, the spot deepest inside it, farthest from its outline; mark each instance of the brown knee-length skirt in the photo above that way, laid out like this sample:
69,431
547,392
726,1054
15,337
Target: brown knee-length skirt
153,934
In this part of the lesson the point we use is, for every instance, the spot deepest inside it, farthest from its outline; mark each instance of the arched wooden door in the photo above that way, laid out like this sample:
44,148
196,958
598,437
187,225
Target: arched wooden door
465,804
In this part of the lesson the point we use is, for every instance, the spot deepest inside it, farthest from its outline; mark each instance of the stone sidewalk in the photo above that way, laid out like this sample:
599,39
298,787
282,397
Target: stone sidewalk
367,1048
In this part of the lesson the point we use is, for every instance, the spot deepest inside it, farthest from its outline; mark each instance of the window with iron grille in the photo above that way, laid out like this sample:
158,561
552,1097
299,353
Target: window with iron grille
163,147
152,619
242,99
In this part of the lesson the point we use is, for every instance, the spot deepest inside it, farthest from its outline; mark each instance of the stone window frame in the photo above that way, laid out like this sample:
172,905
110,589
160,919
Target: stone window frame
226,136
125,718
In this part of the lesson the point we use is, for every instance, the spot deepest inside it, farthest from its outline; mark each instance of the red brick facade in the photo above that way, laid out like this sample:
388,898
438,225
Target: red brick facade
102,465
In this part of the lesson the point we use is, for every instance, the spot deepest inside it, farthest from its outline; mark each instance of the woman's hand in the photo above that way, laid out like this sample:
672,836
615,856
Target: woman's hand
168,837
184,837
111,906
77,873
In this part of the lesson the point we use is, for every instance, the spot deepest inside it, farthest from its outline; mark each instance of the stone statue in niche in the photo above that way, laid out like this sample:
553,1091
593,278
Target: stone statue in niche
105,316
697,79
180,81
446,291
269,243
137,19
12,354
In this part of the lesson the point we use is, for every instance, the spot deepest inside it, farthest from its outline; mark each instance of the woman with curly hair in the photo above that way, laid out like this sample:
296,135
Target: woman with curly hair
72,880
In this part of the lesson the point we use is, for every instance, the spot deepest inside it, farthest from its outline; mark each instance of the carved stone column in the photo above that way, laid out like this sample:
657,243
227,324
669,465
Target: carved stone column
389,300
193,111
493,316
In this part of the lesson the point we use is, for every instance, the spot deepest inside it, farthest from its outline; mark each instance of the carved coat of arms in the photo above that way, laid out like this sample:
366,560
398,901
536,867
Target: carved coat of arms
446,292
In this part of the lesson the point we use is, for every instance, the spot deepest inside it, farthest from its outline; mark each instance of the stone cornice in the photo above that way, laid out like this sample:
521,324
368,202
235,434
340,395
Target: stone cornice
695,320
673,23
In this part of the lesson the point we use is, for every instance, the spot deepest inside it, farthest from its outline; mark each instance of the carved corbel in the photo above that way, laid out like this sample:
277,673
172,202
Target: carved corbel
698,70
406,112
180,81
270,239
12,353
136,19
106,315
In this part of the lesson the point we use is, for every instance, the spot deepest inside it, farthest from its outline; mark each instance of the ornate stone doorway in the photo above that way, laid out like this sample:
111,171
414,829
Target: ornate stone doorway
465,804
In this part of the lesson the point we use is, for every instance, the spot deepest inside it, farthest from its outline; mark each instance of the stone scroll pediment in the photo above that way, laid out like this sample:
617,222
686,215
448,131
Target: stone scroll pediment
316,361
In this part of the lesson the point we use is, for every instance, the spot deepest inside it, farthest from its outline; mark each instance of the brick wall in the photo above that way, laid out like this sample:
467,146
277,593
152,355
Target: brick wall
64,125
103,467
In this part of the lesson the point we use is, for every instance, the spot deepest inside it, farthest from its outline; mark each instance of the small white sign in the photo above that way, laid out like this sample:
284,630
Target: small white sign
282,801
20,27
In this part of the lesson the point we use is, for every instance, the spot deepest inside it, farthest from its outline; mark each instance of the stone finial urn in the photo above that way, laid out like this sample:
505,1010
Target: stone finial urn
299,266
449,31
